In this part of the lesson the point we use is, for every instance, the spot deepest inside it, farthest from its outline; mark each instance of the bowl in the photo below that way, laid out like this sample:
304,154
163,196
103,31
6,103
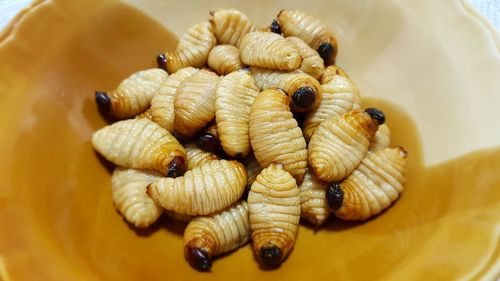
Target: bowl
432,66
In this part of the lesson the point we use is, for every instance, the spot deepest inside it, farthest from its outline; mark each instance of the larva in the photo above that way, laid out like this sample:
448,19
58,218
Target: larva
208,138
141,144
148,114
206,237
234,98
301,87
133,95
371,188
340,143
313,205
311,30
128,190
205,189
192,50
162,104
312,63
339,95
230,26
224,59
269,50
275,135
194,102
274,206
382,138
196,156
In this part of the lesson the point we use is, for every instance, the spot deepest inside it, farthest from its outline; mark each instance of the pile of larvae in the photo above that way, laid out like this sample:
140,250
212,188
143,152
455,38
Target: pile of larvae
243,130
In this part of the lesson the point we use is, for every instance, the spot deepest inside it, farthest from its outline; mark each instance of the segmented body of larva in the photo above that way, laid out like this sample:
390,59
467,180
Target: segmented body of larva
301,87
141,144
192,50
194,102
269,50
234,98
275,135
312,63
128,190
206,237
341,142
224,59
339,95
196,156
162,104
311,30
313,204
208,138
382,138
133,95
148,114
372,187
230,26
205,189
274,206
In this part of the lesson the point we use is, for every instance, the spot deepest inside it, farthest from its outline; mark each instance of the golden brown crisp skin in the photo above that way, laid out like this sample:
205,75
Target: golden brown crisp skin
162,104
141,144
205,189
374,185
224,59
313,205
194,102
193,48
269,50
312,63
234,98
274,206
230,26
339,144
382,138
196,156
275,135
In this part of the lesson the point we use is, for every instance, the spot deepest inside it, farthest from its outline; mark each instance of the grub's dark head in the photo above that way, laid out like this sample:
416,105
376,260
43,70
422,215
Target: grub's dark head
376,114
275,27
208,142
103,102
198,259
270,255
161,60
177,167
334,196
304,97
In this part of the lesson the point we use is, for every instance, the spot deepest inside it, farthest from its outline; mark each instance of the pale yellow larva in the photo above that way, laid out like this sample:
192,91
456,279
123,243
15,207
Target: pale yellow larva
372,187
148,114
133,95
205,189
269,50
194,102
234,98
196,156
312,63
313,204
274,206
209,236
230,26
275,135
224,59
382,138
141,144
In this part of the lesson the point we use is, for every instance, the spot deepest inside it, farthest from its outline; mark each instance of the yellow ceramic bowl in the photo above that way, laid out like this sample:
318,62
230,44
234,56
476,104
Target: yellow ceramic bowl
432,66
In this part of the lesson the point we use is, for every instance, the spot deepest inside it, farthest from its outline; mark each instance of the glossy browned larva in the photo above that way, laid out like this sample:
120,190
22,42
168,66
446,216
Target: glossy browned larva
133,95
301,87
313,204
230,26
196,156
339,144
224,59
208,138
209,236
312,63
141,144
275,135
371,188
310,29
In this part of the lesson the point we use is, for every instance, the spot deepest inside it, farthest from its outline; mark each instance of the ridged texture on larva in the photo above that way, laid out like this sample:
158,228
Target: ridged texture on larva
312,63
374,185
162,104
178,217
382,138
339,144
253,168
274,206
193,48
134,94
289,81
224,59
231,26
313,204
196,156
148,114
309,29
194,102
269,50
203,190
221,232
128,189
339,95
234,98
138,143
275,135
